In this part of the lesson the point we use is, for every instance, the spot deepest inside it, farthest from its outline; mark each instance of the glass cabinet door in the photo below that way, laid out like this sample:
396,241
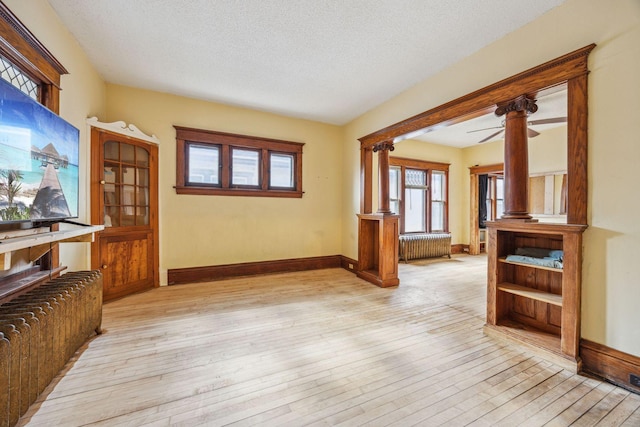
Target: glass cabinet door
126,185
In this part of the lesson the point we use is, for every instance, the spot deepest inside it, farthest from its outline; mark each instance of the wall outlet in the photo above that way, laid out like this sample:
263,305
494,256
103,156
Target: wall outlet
634,380
350,266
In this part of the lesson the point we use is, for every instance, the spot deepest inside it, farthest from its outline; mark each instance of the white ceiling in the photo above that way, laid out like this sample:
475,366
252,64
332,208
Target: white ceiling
324,60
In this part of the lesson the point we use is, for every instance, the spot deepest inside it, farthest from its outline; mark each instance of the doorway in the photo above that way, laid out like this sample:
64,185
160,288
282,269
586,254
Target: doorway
124,198
477,238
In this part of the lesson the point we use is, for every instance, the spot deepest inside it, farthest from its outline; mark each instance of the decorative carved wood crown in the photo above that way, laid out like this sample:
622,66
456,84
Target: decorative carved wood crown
122,128
384,145
521,103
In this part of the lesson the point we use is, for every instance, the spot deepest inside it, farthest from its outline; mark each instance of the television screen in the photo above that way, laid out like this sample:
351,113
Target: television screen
38,160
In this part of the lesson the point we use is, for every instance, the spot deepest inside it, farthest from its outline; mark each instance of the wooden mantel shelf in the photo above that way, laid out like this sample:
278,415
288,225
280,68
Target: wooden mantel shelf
537,227
39,243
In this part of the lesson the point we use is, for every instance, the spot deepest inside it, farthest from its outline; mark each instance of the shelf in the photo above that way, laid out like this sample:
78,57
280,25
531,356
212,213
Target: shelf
536,227
39,242
524,264
537,337
539,342
80,234
531,293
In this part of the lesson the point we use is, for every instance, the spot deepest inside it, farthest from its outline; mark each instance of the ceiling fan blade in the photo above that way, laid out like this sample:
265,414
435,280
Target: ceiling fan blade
491,136
532,133
479,130
548,121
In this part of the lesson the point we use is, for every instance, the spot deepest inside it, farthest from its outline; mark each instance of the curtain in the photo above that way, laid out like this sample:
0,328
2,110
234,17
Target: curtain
483,186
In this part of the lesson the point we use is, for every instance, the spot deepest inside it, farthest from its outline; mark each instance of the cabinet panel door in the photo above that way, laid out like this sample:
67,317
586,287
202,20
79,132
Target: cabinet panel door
124,197
127,263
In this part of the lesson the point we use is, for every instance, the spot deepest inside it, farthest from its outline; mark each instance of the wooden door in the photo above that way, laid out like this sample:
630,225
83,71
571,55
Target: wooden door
124,197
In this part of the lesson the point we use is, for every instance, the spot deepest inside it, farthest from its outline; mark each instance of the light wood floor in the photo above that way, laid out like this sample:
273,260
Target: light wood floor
320,348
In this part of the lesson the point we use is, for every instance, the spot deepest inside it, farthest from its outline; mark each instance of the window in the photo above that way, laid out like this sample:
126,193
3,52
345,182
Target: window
17,78
415,200
418,193
495,197
216,163
27,64
438,200
203,161
394,188
245,165
282,170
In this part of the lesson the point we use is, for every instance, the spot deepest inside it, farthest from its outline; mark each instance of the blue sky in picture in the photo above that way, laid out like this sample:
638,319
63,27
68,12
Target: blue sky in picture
25,123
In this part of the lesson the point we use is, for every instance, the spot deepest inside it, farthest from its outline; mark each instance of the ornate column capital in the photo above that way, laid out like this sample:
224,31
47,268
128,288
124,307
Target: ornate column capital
521,103
384,145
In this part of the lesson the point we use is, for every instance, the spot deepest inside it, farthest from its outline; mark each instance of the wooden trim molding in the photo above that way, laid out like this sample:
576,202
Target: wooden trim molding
218,272
486,169
348,264
23,47
477,103
459,248
610,364
122,128
419,164
570,71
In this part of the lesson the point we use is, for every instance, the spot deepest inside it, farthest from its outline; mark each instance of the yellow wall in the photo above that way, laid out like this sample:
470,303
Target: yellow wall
83,95
611,273
215,230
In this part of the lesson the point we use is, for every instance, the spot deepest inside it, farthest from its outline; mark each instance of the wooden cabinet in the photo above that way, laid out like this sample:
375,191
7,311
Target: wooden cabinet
378,249
536,305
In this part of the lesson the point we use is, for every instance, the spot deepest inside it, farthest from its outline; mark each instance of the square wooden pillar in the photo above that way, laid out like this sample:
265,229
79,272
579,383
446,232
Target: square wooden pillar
378,249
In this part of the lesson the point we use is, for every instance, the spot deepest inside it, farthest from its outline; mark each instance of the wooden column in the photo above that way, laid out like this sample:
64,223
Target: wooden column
366,180
383,149
516,157
378,233
577,119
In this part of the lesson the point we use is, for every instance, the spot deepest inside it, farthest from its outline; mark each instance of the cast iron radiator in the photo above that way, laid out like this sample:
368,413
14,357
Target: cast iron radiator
39,332
424,245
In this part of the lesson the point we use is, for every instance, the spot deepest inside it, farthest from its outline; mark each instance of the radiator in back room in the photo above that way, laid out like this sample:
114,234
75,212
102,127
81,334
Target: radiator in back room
424,245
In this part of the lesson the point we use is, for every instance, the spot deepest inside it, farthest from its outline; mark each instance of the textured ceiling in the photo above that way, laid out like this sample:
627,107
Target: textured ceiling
324,60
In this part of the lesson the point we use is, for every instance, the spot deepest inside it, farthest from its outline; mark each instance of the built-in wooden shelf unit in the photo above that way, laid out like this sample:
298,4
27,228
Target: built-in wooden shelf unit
536,305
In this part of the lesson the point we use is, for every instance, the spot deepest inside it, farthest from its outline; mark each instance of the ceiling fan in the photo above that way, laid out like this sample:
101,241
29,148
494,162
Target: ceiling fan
530,132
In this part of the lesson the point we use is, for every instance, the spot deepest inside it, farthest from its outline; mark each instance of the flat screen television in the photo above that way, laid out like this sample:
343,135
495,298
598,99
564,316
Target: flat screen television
38,161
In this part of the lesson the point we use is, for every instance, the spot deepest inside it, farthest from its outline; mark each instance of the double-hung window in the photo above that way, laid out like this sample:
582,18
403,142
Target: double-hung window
495,197
438,200
415,200
217,163
418,192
